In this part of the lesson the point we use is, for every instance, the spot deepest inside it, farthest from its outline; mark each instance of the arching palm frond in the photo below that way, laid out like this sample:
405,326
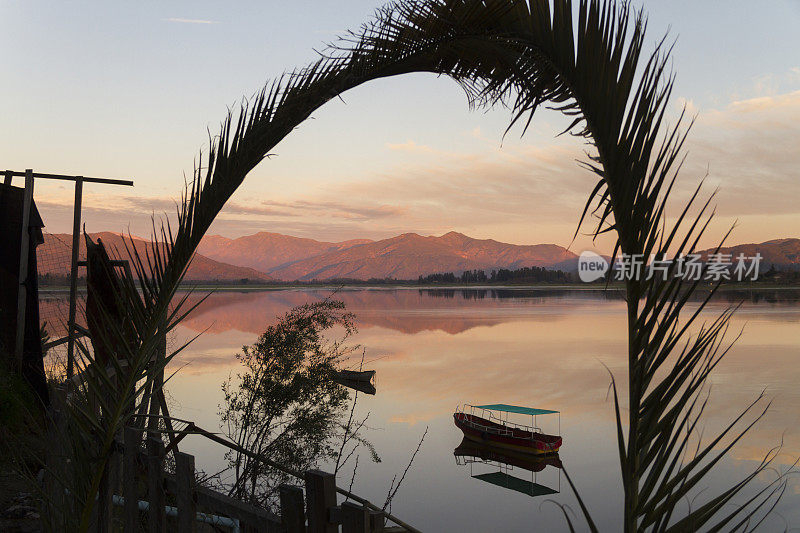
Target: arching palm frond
586,61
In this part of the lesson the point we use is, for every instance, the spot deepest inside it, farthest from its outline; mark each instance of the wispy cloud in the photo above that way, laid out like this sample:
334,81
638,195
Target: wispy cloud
750,151
522,193
339,209
191,21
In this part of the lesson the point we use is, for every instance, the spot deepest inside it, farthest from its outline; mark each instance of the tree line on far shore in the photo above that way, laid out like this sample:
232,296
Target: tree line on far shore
503,275
784,275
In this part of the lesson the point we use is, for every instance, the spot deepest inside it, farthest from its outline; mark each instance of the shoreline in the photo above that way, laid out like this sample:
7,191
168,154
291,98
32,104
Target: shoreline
233,287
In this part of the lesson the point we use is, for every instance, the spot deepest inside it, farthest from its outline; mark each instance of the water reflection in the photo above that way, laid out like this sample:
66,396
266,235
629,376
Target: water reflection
726,294
501,467
435,348
415,310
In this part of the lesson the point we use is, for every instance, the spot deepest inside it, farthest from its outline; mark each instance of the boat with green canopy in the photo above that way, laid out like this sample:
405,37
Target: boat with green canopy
490,424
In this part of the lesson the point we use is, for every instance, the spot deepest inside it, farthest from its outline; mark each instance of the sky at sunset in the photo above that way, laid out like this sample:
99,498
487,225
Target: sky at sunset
132,90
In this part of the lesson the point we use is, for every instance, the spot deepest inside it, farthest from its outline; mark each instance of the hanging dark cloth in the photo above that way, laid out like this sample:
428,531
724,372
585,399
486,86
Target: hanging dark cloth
11,207
106,305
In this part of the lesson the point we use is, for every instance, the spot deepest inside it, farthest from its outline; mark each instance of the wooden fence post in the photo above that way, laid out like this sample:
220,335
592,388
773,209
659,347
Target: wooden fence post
355,518
156,518
292,513
184,494
377,520
320,500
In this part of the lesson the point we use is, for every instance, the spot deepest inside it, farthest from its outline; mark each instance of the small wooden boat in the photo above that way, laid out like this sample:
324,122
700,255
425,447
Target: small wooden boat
480,424
360,380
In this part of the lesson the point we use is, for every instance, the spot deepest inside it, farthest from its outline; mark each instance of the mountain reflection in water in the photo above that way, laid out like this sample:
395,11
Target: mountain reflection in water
436,348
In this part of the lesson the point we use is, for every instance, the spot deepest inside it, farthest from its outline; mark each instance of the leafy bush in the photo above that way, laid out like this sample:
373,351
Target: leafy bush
285,405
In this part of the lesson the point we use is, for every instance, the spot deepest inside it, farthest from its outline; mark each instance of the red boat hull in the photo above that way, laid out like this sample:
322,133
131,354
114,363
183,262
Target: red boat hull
484,431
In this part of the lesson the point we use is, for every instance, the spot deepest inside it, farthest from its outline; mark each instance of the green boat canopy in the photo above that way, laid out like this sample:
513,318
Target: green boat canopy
501,479
516,409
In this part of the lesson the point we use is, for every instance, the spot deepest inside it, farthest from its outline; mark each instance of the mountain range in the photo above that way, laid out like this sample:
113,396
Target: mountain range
271,256
406,256
779,252
55,254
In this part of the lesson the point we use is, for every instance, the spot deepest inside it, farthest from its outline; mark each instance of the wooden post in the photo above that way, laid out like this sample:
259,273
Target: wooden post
73,274
355,518
377,521
156,517
320,498
130,481
292,513
7,179
184,479
24,245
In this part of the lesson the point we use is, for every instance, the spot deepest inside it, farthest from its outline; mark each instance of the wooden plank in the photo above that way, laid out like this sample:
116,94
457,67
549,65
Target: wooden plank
355,518
156,516
73,275
253,517
214,502
65,177
320,498
184,495
130,481
24,246
292,513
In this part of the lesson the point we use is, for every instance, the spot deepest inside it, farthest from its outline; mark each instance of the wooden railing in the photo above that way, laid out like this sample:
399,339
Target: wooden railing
149,498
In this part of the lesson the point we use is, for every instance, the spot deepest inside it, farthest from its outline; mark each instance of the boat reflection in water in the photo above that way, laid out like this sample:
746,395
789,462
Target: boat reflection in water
517,471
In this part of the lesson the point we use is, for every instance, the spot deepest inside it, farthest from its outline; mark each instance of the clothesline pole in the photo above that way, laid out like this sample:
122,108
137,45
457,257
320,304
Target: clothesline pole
22,292
73,275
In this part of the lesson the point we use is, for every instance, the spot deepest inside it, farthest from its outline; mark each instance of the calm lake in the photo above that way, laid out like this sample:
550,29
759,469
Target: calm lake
552,349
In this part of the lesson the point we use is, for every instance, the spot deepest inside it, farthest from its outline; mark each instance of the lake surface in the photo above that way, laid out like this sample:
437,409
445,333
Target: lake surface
552,349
